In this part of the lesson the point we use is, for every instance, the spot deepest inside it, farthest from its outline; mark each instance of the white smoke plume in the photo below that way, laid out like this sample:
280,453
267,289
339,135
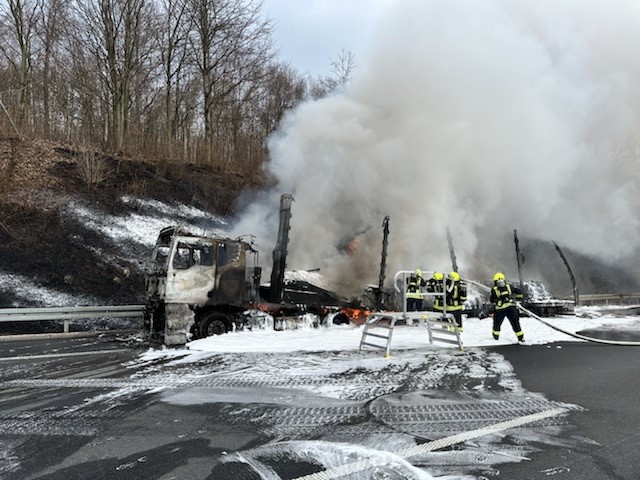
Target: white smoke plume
484,116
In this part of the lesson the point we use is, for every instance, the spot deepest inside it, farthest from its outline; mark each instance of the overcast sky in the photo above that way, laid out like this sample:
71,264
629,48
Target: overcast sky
310,33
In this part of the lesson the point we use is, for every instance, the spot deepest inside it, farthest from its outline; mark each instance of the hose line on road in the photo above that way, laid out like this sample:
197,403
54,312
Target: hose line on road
438,444
571,334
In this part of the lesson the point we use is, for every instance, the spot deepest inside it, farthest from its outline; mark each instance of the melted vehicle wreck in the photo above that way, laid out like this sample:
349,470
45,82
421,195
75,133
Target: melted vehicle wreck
198,286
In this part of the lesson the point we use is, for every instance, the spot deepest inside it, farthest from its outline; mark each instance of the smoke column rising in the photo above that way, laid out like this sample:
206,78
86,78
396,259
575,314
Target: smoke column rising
484,116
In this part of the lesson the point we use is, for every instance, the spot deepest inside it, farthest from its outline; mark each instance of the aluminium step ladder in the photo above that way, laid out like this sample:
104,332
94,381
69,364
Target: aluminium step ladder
384,323
442,329
379,328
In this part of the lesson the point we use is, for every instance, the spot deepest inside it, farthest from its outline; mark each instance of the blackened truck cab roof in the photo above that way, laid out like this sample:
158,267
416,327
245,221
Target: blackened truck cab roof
197,285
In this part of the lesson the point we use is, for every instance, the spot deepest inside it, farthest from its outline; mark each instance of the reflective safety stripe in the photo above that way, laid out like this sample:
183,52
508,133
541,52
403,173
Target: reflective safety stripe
496,332
520,333
504,306
503,294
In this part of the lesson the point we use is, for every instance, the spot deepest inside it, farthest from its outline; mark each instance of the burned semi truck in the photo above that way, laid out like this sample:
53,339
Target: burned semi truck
198,286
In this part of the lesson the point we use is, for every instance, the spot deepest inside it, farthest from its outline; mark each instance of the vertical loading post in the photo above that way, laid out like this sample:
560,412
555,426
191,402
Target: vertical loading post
519,256
576,295
452,252
383,262
280,250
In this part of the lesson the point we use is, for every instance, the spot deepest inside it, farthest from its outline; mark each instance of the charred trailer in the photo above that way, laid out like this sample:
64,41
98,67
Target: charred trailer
198,286
538,300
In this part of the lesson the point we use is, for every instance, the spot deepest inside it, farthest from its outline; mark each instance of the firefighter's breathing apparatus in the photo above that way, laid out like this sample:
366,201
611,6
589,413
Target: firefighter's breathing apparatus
571,334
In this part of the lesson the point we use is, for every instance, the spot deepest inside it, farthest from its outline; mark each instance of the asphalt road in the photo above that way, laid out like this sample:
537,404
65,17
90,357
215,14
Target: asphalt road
79,408
85,408
603,379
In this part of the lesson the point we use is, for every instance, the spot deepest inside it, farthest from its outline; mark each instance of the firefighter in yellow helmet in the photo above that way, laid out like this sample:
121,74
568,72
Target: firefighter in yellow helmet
436,285
456,296
503,296
413,293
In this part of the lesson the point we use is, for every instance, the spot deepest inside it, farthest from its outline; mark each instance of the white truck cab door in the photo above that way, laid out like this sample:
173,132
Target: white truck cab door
191,271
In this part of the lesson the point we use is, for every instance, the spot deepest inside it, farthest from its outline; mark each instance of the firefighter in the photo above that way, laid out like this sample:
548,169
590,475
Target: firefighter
415,282
456,296
435,285
503,296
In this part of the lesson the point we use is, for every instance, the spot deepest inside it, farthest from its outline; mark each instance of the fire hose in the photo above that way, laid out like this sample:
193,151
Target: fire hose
558,329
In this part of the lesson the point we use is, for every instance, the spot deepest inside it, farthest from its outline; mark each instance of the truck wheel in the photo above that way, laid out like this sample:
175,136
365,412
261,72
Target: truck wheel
214,324
340,319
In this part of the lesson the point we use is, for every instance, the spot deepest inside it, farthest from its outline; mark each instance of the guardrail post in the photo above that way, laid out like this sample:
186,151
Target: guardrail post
66,326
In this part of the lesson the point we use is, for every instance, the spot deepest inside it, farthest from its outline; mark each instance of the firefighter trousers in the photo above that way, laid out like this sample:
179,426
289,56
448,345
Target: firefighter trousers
514,318
414,304
457,315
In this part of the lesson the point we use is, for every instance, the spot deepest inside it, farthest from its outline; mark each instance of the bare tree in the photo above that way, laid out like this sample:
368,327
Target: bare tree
283,89
192,79
19,18
50,33
343,67
231,48
118,33
174,51
340,75
86,107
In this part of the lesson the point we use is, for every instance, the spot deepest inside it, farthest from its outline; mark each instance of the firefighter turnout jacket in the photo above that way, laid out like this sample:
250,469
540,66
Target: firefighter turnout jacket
456,295
505,296
414,286
436,285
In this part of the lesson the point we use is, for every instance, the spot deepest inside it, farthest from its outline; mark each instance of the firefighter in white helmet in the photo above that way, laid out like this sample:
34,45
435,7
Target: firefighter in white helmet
413,293
456,296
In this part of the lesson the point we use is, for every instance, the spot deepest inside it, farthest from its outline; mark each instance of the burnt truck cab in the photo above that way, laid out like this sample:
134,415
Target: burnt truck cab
197,286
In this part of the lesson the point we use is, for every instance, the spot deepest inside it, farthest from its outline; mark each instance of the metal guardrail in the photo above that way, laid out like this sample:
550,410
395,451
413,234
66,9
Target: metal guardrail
610,299
70,313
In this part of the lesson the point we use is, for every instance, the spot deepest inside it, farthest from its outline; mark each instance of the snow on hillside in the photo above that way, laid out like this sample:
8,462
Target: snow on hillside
131,234
142,225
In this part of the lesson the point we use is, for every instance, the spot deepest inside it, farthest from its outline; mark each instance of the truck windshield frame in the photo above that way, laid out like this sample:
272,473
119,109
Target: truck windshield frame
189,254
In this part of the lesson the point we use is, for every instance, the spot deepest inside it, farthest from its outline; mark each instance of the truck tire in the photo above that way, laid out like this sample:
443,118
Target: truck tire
341,319
214,324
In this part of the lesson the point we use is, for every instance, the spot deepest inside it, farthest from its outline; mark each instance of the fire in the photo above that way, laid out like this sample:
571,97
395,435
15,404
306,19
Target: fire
356,315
